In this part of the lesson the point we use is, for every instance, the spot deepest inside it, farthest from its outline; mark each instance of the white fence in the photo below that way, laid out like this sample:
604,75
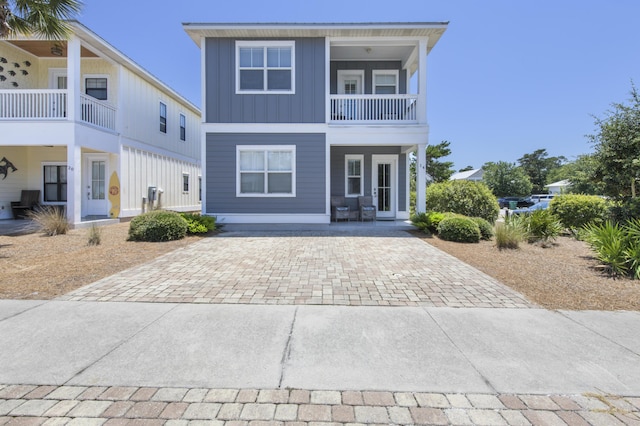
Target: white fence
49,104
373,108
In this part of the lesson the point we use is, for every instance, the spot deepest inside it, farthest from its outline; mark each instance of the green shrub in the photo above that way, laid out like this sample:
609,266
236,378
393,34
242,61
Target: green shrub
95,236
541,225
50,220
157,225
472,199
609,241
509,235
576,210
198,224
486,230
427,222
459,229
625,210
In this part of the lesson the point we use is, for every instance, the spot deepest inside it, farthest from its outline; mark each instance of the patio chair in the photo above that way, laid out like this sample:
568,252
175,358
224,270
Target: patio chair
339,209
367,209
29,200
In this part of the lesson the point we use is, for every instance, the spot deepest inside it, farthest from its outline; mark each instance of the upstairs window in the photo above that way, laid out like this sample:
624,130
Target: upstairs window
163,118
95,87
265,67
183,127
385,82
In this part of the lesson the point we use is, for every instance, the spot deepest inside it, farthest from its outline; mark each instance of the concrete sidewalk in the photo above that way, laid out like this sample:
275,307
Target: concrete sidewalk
319,347
64,362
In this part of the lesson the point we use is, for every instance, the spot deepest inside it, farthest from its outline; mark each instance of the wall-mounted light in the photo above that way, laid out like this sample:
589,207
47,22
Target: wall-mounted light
368,49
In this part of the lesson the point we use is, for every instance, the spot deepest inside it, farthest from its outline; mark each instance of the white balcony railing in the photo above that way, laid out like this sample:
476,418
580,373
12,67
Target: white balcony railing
373,108
48,104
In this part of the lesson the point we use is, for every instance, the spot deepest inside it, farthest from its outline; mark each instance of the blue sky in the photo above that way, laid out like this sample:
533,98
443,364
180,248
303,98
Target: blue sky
508,76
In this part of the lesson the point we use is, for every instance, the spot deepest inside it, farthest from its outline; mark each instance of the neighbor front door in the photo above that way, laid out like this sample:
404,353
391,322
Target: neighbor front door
95,193
384,185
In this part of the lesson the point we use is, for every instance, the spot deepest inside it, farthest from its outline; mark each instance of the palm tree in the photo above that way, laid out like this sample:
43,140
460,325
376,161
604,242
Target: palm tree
45,18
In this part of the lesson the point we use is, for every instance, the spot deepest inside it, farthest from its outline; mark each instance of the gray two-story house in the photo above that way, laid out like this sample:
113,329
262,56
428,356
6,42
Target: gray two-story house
295,114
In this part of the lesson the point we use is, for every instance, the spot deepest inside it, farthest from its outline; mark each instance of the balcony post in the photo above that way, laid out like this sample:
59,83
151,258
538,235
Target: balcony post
422,81
421,178
73,78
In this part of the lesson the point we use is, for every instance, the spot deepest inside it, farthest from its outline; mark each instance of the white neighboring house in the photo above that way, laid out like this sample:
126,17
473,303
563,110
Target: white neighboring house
472,175
92,130
558,187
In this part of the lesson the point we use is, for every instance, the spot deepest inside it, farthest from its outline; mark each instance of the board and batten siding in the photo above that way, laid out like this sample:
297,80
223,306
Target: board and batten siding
141,117
142,169
223,105
221,174
368,67
338,154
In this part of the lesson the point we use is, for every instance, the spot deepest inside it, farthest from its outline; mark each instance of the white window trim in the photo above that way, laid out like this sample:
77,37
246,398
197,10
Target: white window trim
84,84
385,72
346,175
291,148
188,182
166,117
342,74
51,163
265,44
180,115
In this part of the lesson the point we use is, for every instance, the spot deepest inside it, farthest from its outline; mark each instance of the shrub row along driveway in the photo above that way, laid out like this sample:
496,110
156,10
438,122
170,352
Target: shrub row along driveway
383,267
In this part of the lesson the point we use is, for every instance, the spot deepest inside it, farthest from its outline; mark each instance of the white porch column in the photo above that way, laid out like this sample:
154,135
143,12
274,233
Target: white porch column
422,81
74,183
73,78
421,178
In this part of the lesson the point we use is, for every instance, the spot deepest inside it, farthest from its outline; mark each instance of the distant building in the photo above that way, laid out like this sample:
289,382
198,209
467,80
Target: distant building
559,187
472,175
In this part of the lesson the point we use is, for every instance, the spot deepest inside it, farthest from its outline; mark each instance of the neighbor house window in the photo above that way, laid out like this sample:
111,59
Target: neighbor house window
354,181
185,182
265,66
266,171
55,183
199,188
385,82
183,127
163,118
96,87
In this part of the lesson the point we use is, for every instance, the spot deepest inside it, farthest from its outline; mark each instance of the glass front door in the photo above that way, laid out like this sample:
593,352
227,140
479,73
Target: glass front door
384,181
96,185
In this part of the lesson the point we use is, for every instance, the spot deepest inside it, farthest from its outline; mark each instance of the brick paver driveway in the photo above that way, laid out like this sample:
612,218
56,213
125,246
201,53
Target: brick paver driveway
343,267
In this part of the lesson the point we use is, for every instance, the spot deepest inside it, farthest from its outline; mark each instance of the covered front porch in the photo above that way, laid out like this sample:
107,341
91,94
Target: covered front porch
78,180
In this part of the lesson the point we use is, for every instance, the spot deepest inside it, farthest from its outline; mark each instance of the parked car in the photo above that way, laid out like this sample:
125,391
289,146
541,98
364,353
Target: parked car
505,202
542,197
542,205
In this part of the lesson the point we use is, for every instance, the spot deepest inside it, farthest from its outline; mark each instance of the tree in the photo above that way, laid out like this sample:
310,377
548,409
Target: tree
537,166
617,146
581,174
44,18
466,169
505,179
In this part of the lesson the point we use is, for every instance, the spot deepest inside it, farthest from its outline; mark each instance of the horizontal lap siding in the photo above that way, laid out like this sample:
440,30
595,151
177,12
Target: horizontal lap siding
223,105
221,174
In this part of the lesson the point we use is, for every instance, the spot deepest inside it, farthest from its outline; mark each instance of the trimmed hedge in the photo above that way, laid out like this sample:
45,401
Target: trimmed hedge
459,229
576,210
158,225
486,230
472,199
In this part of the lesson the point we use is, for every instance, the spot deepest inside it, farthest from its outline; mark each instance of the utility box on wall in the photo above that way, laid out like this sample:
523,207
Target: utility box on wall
152,194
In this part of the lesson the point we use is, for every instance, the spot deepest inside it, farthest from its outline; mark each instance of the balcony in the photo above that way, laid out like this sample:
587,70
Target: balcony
373,109
46,105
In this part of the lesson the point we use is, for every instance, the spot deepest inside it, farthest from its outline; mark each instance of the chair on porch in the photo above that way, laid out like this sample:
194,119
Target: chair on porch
29,200
339,208
367,209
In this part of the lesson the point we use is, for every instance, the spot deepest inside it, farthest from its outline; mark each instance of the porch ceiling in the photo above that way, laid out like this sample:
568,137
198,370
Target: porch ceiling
42,48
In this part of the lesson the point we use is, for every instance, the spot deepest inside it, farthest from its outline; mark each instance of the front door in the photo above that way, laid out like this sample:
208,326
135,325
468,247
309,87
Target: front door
384,185
95,194
58,81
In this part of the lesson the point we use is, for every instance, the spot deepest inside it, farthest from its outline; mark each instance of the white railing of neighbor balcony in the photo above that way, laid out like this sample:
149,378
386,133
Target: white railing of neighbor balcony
373,108
33,104
49,104
97,112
